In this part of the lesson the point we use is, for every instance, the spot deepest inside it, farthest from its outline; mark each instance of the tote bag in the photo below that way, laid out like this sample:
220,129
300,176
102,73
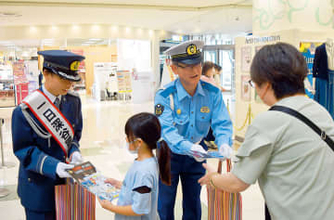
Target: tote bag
74,202
224,205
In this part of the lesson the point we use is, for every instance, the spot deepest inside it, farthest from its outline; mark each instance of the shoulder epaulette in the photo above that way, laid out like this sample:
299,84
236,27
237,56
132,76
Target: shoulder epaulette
209,86
167,90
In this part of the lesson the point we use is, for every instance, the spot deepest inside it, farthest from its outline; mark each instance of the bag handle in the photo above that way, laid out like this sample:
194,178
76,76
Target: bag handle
308,122
220,165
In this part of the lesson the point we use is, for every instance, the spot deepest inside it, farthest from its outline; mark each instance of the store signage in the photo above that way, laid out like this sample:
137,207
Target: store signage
255,40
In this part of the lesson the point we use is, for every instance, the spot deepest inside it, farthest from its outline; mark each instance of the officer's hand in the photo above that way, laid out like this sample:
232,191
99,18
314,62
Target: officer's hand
198,152
61,170
76,158
226,151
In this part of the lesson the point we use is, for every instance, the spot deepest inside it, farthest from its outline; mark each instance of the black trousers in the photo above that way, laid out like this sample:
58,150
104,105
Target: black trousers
266,212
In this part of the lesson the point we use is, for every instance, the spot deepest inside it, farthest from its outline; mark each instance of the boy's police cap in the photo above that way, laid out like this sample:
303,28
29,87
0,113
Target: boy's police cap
63,63
188,52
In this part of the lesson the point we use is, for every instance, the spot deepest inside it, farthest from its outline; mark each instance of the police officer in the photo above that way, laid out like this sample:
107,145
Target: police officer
186,108
46,136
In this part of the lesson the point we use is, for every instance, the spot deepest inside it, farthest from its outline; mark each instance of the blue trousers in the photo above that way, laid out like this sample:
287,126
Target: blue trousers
331,93
33,215
321,92
189,171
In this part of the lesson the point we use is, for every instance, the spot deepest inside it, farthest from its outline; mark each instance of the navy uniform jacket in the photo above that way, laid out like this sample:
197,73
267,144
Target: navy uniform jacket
320,63
192,116
39,157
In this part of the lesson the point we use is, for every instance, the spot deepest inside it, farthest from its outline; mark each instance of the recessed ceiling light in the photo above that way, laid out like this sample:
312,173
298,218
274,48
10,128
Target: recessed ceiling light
94,39
9,15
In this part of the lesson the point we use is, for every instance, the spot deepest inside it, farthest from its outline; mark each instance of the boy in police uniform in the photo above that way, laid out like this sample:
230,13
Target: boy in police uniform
186,108
46,129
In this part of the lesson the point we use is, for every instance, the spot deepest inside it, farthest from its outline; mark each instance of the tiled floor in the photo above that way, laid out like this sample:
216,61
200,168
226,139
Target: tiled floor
103,144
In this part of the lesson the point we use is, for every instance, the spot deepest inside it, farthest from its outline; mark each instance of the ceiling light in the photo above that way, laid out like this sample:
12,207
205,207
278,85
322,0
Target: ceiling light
94,39
114,28
95,27
9,15
33,29
75,27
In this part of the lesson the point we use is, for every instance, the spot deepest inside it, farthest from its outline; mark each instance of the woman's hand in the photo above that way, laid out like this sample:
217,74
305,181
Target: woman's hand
114,182
106,204
206,178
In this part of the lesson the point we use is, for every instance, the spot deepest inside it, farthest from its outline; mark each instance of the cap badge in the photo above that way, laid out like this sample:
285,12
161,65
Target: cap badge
191,49
74,66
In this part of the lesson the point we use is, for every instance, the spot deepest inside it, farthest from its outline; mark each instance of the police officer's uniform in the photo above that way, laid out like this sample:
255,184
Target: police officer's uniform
37,151
185,120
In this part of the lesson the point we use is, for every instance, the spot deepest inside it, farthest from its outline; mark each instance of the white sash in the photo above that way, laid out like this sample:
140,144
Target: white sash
52,119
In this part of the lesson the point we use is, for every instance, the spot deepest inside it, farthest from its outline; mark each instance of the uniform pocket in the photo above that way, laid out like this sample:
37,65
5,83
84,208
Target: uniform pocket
203,122
180,122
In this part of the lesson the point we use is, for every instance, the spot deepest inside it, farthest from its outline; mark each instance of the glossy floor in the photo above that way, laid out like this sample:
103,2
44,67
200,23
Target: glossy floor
103,143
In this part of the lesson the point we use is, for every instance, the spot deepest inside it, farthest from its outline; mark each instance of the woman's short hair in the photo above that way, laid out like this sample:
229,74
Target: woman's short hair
283,66
207,65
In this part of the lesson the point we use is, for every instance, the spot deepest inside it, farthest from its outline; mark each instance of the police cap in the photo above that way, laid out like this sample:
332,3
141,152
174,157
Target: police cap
63,63
188,52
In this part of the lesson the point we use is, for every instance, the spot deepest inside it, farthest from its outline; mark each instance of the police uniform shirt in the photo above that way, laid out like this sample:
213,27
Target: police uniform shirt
49,95
192,116
293,166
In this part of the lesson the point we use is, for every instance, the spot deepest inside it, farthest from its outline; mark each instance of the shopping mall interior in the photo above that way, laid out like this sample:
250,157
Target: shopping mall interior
124,42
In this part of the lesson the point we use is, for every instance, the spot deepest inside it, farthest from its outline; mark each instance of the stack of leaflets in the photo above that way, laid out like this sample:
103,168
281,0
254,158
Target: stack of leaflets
209,155
214,154
86,175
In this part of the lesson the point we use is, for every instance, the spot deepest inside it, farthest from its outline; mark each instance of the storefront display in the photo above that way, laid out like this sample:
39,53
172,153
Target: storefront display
124,84
7,96
105,80
81,70
21,81
308,51
323,72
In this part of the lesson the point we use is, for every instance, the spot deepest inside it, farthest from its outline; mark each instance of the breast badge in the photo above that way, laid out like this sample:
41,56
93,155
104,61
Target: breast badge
205,109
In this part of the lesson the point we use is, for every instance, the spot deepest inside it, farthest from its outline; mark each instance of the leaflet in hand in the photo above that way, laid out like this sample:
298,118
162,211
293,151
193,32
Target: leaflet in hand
85,174
95,183
81,170
210,154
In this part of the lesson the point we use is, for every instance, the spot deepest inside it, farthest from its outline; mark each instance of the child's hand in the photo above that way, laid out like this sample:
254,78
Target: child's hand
115,183
105,204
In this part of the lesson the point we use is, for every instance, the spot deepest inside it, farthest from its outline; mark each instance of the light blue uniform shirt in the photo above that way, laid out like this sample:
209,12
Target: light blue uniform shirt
192,116
141,173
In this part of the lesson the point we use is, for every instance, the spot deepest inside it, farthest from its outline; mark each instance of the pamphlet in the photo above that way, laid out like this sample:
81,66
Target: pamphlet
82,170
86,175
95,184
209,155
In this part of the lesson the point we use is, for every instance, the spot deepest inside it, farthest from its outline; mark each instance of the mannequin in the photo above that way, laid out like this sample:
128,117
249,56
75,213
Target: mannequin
330,53
323,72
330,58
